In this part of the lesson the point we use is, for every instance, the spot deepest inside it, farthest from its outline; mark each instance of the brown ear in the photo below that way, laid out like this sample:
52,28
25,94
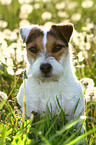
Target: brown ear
65,30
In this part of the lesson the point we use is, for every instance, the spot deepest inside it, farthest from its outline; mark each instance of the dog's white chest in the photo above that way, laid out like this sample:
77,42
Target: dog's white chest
39,94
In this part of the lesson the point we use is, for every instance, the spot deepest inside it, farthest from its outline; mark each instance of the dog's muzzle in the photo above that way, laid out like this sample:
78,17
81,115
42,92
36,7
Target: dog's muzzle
46,69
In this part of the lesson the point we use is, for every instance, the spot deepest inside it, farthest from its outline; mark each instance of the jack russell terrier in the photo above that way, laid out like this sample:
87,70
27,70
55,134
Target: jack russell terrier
50,71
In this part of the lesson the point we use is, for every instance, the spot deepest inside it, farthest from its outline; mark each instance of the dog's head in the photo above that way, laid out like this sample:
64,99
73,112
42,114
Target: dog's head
46,50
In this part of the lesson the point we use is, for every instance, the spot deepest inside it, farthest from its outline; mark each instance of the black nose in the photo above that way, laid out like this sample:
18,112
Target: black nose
46,68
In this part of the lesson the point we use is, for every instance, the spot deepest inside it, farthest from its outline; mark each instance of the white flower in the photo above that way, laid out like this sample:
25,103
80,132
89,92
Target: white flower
48,24
3,24
87,45
72,5
88,27
3,96
87,4
63,14
3,44
25,10
36,6
11,71
80,56
23,22
7,33
46,16
5,2
90,94
76,17
13,36
46,0
2,37
60,5
87,83
24,1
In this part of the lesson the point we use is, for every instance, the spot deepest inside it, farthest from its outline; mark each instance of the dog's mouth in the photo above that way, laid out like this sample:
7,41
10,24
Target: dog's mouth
48,78
49,75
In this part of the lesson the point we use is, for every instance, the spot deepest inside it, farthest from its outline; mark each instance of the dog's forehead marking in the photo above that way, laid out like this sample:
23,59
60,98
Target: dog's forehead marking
45,40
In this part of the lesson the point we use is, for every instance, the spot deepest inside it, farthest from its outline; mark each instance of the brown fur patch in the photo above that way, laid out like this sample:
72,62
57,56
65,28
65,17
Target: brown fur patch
38,44
51,43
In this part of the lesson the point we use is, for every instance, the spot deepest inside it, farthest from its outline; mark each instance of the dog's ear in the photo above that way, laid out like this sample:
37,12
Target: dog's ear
25,31
65,30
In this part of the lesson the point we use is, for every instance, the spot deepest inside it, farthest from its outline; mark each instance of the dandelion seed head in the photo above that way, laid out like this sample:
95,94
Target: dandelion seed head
6,2
36,6
3,95
87,4
76,17
87,83
46,16
24,1
72,5
63,14
90,94
23,22
3,24
60,5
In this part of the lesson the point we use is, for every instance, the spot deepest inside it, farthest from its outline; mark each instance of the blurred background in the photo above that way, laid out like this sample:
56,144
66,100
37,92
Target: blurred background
15,13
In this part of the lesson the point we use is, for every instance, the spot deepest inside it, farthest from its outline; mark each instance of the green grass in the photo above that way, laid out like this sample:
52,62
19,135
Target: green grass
47,129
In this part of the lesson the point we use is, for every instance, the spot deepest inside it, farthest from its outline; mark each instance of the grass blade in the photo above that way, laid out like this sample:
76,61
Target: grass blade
81,136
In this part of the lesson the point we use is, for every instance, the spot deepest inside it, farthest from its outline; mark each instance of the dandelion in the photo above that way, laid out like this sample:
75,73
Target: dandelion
63,14
87,83
2,37
5,2
20,55
25,10
9,62
88,27
24,1
7,31
13,36
3,44
80,66
76,17
23,22
72,5
87,45
46,16
60,5
46,0
3,96
36,6
3,24
80,56
11,71
48,24
87,4
65,21
90,94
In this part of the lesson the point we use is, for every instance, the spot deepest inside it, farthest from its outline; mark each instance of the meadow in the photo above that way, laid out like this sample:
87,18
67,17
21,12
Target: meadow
48,130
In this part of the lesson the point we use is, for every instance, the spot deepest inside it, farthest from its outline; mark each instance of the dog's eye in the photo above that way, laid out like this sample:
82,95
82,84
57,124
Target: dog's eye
57,48
33,50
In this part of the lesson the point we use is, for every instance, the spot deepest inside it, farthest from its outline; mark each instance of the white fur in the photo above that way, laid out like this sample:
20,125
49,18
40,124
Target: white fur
45,40
63,84
25,30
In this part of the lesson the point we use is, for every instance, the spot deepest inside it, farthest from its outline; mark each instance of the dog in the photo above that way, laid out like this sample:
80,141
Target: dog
50,71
